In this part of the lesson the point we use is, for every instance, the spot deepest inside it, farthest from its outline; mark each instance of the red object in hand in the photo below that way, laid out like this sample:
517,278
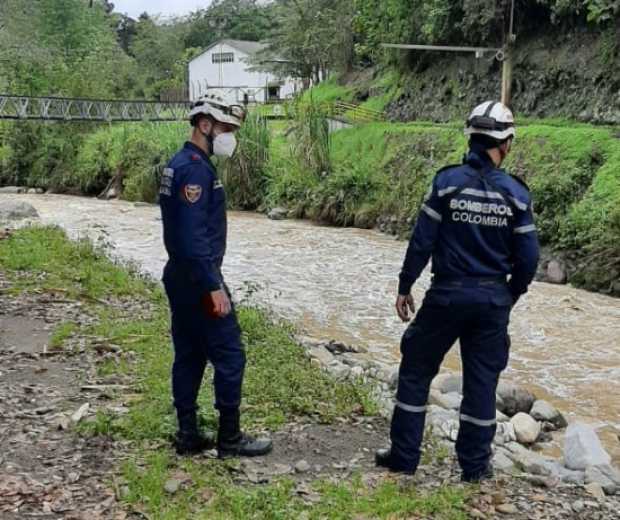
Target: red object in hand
209,307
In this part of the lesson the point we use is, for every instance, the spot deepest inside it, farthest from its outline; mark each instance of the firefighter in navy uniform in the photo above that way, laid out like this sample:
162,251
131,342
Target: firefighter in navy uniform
476,223
204,324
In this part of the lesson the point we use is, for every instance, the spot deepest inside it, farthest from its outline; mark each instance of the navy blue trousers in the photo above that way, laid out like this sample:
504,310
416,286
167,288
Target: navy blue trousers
482,329
198,339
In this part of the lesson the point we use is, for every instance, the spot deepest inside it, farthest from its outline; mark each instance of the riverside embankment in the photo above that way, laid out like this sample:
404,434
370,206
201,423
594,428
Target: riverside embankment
339,284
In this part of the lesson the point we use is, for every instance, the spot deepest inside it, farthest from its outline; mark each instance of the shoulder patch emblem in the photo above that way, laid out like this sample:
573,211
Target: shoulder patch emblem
192,192
195,157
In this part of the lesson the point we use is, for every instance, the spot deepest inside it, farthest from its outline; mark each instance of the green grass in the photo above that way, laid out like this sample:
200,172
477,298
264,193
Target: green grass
62,333
281,386
327,92
280,382
384,89
47,261
225,500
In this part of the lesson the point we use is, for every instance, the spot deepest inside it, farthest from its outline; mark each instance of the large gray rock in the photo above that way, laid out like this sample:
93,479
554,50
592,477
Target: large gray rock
569,476
450,401
501,461
16,210
526,428
339,370
388,374
436,415
443,422
530,461
278,214
606,475
583,448
505,433
556,272
322,355
514,399
447,383
501,417
546,412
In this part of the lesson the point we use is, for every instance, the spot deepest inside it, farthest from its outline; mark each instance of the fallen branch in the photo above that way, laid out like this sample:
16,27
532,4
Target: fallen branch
102,388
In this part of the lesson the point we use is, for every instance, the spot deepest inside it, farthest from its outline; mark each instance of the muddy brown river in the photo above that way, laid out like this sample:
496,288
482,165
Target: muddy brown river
340,284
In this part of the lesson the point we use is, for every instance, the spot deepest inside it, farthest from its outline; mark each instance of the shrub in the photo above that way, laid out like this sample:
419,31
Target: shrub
245,174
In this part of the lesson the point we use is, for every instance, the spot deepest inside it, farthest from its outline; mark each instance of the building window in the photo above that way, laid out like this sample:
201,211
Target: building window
223,57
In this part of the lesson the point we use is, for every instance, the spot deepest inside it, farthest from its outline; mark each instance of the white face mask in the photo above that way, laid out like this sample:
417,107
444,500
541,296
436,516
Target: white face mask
224,144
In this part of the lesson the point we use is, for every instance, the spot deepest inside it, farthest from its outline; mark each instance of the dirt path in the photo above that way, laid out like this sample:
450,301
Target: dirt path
49,471
46,470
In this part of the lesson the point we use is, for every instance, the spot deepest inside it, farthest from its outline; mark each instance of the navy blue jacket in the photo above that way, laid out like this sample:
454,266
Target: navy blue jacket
476,222
193,209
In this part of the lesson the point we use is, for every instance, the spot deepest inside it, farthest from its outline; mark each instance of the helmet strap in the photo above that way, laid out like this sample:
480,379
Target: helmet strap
504,147
209,139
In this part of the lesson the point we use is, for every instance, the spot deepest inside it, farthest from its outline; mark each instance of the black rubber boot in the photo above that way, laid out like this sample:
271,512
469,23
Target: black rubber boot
189,440
384,459
473,478
232,442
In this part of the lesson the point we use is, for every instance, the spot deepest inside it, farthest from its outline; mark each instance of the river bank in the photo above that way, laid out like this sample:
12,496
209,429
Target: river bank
371,176
325,426
348,277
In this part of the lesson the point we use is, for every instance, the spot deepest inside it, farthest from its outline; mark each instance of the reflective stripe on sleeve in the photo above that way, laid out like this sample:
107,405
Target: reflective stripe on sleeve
525,229
431,213
483,193
411,408
521,205
477,422
446,191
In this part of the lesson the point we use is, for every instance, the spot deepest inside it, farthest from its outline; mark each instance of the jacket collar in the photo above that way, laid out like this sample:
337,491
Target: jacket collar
191,147
478,158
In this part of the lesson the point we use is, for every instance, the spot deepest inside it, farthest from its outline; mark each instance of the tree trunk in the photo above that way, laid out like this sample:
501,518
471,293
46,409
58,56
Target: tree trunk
114,188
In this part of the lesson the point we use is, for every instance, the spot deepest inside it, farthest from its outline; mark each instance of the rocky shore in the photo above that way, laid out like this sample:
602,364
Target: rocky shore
525,423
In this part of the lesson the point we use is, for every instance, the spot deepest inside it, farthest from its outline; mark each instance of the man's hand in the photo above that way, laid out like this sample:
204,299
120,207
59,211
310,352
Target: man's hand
403,305
221,303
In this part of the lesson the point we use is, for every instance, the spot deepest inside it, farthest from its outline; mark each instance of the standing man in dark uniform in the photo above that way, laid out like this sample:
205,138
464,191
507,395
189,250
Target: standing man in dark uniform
476,223
204,324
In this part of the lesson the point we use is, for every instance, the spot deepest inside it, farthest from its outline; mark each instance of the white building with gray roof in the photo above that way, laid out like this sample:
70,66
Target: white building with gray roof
228,64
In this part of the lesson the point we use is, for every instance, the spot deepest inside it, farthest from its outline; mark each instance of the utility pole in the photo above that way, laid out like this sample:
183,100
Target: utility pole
505,54
507,64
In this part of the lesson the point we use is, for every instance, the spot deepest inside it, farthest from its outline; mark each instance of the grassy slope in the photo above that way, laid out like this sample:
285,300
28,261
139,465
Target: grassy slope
383,170
281,385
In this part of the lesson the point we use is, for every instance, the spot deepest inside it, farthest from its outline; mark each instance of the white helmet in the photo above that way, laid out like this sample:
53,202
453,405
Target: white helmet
220,105
491,118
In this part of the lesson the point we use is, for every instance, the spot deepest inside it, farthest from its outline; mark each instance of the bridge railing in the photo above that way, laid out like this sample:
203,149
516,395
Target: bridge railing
357,114
349,113
74,109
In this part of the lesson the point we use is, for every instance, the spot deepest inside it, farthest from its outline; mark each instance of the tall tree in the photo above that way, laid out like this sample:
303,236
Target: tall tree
312,37
236,19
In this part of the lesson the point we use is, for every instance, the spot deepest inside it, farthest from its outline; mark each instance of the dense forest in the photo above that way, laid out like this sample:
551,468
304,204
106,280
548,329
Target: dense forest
82,48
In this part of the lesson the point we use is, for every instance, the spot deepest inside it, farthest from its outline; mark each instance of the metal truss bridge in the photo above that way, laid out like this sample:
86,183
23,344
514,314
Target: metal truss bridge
72,109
